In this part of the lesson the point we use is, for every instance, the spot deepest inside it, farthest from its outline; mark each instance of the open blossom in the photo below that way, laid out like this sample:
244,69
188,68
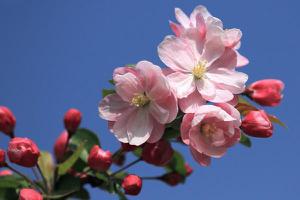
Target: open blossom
203,70
207,25
143,103
211,131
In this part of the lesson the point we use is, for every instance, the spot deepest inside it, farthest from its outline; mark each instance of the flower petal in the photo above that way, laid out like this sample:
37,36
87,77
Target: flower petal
232,37
213,49
182,18
241,60
177,54
191,103
128,85
206,88
139,127
112,106
157,132
228,60
185,127
201,158
182,83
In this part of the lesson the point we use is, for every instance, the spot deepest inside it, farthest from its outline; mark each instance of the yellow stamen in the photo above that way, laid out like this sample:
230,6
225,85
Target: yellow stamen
140,100
199,69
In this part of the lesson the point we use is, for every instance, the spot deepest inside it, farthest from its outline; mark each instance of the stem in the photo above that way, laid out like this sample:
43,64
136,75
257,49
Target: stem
35,173
43,178
23,176
125,167
151,177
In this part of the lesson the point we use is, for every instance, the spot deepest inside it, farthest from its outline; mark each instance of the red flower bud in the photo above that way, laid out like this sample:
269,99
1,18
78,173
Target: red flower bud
7,121
132,184
188,169
23,151
257,124
72,120
30,194
172,178
5,172
2,158
99,159
60,146
159,153
126,147
266,92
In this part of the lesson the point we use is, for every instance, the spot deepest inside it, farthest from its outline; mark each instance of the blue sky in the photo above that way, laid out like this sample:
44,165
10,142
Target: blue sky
59,54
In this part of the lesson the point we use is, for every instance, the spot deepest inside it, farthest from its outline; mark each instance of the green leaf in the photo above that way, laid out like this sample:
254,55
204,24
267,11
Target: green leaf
177,164
83,194
106,92
171,133
118,190
90,139
66,165
276,120
12,181
8,194
112,82
66,186
244,140
47,166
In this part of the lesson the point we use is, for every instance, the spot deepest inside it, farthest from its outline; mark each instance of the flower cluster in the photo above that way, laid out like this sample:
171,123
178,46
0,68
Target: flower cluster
200,88
199,100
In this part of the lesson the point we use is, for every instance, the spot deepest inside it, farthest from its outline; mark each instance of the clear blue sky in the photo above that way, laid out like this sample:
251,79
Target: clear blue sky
59,54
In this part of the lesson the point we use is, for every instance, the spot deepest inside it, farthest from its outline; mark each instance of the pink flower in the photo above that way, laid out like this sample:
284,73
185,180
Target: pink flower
202,70
211,131
72,120
99,159
143,103
207,26
132,184
29,194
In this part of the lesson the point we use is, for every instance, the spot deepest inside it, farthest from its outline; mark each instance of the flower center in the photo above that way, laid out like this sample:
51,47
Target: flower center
140,100
199,69
208,130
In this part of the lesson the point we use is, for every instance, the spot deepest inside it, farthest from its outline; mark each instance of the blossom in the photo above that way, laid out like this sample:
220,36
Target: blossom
257,124
207,25
142,104
202,70
266,92
23,151
211,131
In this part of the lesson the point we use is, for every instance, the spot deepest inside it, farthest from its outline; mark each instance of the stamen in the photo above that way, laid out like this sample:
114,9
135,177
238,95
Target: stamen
199,69
140,100
208,130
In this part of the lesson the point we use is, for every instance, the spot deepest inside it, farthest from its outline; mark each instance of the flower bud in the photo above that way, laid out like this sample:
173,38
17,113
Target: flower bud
7,121
257,124
72,120
99,159
188,169
132,184
30,194
266,92
172,178
159,153
126,147
60,146
23,151
2,158
5,172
